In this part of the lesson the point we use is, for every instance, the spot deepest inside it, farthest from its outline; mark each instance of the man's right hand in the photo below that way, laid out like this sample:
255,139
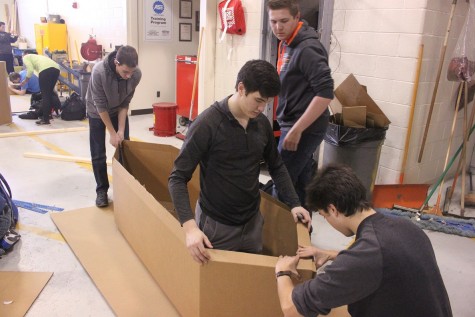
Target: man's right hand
197,242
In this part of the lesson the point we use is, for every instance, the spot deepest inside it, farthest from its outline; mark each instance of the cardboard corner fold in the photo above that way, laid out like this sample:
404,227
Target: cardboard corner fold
351,93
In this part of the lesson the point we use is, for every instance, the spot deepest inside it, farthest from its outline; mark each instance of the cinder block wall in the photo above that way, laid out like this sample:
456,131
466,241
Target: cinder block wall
235,50
378,41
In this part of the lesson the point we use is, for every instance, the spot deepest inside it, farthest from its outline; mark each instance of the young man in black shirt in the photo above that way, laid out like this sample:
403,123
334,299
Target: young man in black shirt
229,140
390,269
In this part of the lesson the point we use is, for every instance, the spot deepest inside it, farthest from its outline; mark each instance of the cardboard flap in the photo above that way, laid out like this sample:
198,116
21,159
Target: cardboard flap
354,117
351,94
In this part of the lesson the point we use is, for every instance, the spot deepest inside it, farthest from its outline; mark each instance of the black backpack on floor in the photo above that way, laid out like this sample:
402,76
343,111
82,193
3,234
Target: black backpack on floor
35,106
8,218
73,108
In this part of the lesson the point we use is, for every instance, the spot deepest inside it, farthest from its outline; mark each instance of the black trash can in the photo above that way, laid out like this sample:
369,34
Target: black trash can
359,148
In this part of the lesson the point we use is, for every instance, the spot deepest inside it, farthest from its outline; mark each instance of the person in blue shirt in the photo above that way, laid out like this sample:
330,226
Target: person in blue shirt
31,87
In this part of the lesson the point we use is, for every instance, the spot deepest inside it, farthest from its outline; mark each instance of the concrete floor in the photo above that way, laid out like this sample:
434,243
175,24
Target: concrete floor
71,292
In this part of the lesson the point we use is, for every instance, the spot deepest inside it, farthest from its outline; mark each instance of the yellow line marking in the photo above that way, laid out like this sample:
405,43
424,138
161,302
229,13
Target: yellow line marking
59,150
41,232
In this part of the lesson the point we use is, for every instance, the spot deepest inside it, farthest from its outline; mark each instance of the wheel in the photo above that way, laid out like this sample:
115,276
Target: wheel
183,121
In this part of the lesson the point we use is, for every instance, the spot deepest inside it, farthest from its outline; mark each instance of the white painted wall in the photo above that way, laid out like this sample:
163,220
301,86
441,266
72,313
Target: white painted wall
157,59
378,41
235,50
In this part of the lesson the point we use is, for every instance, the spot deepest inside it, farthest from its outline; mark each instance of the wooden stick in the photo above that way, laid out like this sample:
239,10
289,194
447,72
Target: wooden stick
464,150
411,116
28,133
459,166
64,158
195,79
434,93
77,51
439,195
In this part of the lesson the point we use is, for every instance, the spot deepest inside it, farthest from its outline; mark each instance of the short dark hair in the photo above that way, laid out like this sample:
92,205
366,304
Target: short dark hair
337,185
127,55
291,5
2,23
13,76
259,75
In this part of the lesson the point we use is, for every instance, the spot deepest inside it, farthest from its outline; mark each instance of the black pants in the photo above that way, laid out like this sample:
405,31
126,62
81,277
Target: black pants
47,79
245,238
97,143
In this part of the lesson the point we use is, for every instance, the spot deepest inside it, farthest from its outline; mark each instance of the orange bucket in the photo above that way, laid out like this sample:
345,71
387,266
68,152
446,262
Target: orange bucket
165,119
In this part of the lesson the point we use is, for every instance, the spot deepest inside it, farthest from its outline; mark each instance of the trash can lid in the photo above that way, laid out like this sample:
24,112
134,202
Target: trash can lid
164,105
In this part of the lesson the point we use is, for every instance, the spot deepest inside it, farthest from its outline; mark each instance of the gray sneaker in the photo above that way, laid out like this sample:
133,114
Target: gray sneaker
102,200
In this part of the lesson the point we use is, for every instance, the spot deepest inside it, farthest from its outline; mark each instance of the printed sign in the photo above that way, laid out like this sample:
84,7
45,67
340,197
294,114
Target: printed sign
158,19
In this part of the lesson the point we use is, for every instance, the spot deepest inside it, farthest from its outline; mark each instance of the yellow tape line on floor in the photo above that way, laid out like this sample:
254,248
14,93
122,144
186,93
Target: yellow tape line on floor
41,232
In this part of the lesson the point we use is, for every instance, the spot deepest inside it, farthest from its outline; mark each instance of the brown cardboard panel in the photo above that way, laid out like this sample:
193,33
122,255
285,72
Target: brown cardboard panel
233,283
354,117
21,289
351,94
5,107
113,266
150,163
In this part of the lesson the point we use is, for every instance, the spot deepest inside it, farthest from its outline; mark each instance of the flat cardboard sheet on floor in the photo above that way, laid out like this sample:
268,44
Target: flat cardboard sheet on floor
18,291
113,266
5,107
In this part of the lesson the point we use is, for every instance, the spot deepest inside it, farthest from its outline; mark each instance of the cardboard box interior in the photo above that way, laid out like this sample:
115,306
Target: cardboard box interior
239,283
357,104
5,107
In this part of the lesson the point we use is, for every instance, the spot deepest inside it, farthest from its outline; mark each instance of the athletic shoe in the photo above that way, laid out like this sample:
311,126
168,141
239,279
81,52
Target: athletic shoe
42,122
102,200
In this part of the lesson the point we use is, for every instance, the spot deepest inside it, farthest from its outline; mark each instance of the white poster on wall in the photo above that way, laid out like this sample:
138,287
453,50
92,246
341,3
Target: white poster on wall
158,20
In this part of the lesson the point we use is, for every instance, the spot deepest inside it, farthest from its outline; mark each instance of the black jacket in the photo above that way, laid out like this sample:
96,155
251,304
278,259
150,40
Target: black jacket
304,74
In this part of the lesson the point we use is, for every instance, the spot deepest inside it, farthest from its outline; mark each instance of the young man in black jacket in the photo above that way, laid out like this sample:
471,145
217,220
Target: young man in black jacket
229,140
390,270
307,89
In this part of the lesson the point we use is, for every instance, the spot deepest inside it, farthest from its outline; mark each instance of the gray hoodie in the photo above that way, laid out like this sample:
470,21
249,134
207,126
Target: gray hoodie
107,91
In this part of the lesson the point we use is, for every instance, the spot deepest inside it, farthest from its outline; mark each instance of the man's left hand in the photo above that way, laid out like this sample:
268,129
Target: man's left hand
302,214
291,141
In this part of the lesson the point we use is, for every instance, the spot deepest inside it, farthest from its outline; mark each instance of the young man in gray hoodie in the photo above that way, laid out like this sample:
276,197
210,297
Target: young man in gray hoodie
110,90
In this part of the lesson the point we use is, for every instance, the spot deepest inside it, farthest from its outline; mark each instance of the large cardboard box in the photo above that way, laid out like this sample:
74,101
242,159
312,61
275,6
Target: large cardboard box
5,106
232,283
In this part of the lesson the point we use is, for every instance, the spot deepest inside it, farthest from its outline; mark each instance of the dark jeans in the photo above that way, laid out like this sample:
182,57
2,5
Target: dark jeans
47,79
8,59
245,238
300,163
97,143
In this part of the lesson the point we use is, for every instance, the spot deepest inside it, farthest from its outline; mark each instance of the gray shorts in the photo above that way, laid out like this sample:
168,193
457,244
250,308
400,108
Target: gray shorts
244,238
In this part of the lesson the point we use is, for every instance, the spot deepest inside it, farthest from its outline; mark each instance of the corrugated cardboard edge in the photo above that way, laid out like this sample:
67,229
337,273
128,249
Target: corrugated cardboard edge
5,106
111,263
22,289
